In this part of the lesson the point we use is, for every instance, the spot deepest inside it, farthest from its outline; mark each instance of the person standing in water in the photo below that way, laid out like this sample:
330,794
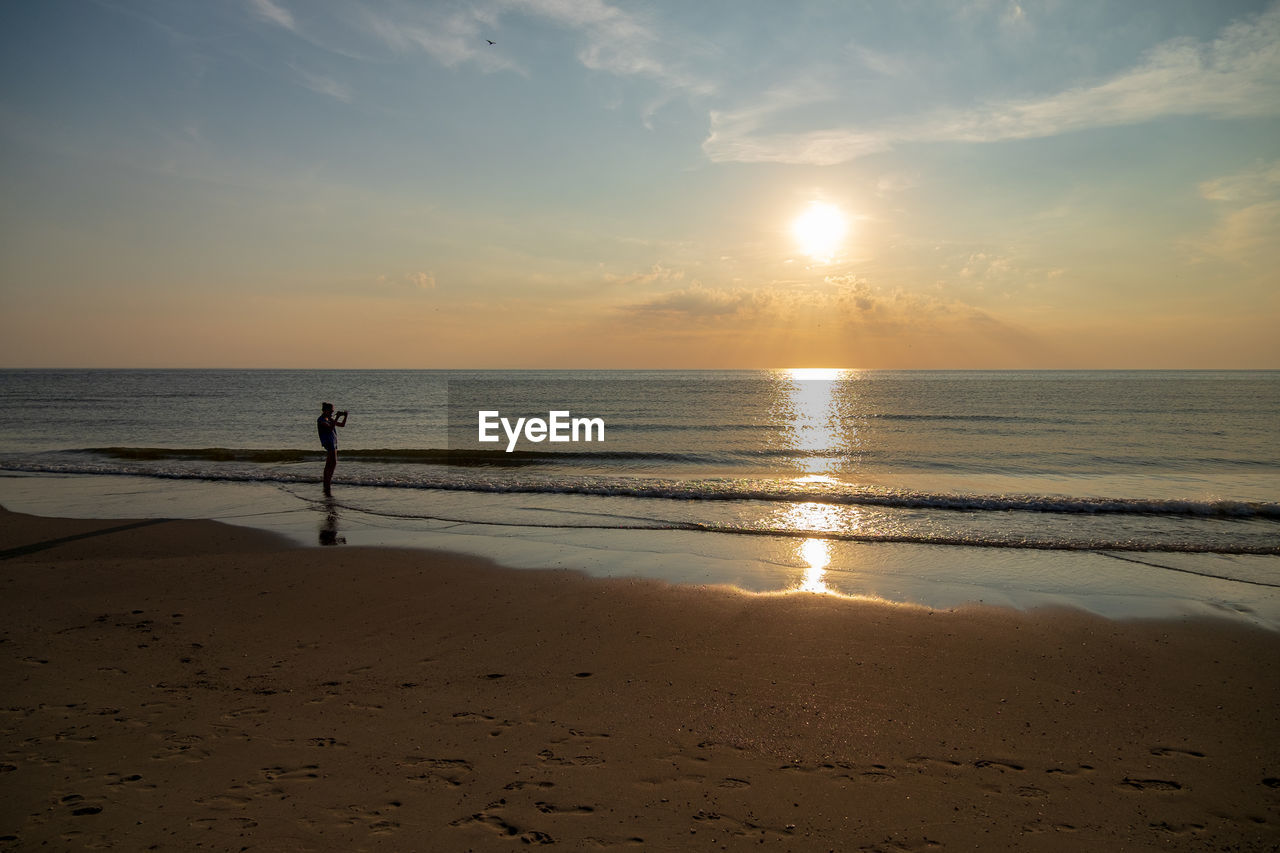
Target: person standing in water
327,424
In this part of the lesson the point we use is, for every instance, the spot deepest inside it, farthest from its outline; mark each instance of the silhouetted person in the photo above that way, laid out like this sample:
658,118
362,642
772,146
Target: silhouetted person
327,425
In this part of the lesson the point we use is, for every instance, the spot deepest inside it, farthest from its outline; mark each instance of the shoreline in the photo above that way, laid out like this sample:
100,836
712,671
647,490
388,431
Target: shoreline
1115,586
186,682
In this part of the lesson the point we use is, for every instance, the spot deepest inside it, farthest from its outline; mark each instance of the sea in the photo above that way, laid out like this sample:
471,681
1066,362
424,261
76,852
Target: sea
1131,494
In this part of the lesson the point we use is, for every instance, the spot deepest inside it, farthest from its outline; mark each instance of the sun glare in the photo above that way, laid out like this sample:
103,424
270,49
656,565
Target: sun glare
827,374
820,231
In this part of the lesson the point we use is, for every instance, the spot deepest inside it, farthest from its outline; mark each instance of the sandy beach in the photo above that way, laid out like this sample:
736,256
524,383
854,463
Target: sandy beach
180,685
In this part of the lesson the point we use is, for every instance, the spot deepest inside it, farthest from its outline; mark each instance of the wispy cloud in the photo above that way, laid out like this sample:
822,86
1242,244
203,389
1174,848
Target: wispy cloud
623,43
1248,207
451,37
273,12
1259,183
1235,75
658,273
613,40
698,302
323,85
841,300
414,280
609,39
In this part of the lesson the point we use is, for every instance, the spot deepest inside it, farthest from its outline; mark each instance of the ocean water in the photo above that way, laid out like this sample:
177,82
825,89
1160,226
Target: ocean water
1127,492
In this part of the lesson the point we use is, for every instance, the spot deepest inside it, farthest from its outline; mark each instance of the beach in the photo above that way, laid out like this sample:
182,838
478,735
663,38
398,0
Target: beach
178,685
801,427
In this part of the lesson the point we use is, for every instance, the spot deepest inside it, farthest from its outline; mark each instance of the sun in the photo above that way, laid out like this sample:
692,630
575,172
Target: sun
820,231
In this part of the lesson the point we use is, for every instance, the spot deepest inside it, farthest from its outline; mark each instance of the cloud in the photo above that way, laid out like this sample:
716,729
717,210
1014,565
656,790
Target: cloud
1261,182
610,39
732,141
984,265
422,280
449,36
699,302
1014,20
853,291
1248,204
1250,230
622,43
418,280
896,182
840,301
323,85
658,273
613,40
273,12
1237,75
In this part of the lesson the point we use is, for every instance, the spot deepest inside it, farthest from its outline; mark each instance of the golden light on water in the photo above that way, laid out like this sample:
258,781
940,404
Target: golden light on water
824,373
816,554
820,231
810,423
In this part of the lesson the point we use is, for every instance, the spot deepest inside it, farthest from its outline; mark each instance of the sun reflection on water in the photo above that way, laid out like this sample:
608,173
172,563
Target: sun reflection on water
815,424
814,553
810,420
817,553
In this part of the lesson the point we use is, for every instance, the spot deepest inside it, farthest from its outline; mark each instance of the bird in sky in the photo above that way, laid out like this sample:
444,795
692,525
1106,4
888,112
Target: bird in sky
491,41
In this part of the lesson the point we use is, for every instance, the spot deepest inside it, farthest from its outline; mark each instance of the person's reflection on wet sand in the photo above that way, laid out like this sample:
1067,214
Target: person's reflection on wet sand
329,528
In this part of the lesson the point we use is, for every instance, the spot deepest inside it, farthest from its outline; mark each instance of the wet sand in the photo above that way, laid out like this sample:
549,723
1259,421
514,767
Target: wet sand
182,684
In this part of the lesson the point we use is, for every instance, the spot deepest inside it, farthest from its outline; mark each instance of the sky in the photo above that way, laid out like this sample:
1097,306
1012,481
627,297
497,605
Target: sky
590,184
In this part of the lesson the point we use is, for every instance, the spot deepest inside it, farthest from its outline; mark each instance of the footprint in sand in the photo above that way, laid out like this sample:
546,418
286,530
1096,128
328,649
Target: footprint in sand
306,772
227,824
223,801
1171,752
607,844
117,779
244,712
473,717
1177,829
460,764
78,807
1150,784
354,706
579,735
374,820
450,771
502,827
925,759
576,761
1083,768
551,808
